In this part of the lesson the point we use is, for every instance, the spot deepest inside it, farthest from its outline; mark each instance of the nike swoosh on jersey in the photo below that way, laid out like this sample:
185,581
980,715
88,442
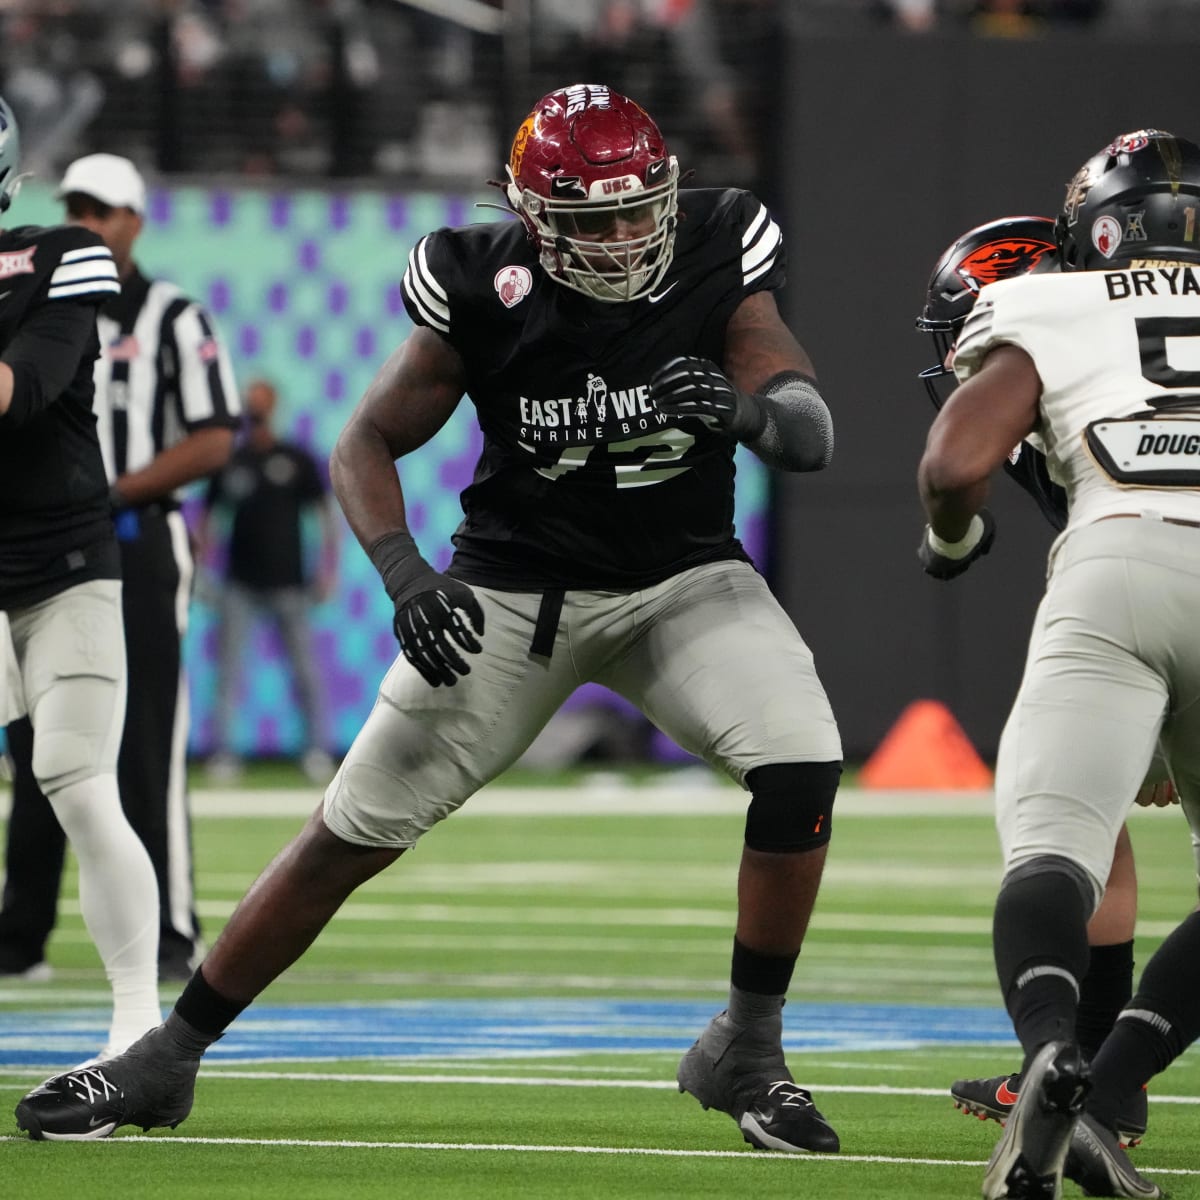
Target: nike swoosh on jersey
656,299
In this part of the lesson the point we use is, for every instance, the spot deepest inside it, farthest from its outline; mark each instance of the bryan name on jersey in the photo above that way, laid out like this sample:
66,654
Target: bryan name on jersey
1118,354
580,482
54,511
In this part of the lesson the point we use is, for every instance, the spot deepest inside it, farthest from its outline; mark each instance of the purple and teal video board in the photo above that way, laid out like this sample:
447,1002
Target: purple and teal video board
305,289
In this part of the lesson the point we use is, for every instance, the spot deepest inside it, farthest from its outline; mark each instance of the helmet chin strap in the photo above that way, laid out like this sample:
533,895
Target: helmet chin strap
511,192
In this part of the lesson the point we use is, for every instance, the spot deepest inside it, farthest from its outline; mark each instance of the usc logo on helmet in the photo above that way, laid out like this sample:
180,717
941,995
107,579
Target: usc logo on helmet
520,142
1001,260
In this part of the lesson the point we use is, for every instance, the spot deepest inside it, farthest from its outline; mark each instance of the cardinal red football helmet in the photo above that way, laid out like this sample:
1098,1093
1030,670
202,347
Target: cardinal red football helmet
590,176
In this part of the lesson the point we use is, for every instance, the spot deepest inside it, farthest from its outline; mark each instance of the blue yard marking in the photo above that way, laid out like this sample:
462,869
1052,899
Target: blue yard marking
490,1028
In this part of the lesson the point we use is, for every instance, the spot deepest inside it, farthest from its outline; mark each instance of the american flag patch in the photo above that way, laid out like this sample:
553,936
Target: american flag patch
124,349
208,350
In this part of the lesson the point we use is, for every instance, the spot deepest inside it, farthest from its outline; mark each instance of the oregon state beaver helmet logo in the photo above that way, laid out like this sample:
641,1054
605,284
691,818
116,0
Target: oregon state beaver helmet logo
1001,259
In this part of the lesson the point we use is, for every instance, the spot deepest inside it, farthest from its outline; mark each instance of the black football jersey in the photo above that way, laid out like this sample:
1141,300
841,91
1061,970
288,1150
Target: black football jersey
581,484
1031,472
55,527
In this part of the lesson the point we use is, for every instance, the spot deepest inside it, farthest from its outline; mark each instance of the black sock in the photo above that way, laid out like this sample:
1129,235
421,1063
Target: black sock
1103,992
1159,1023
204,1008
761,974
1039,937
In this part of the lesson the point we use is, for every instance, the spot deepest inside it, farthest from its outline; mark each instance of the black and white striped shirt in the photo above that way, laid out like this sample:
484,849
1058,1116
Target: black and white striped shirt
162,374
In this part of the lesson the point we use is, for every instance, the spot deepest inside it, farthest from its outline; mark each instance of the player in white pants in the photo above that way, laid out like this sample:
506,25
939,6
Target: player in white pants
1096,363
60,585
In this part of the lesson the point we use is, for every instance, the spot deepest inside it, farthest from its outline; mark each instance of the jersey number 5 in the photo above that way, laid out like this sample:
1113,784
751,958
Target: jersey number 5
1152,334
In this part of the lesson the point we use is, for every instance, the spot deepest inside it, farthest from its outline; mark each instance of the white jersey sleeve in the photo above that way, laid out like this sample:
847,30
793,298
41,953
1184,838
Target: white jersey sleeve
1118,354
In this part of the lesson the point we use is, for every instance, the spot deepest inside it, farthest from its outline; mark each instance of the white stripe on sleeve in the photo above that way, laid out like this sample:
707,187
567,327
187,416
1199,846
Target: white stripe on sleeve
428,296
88,270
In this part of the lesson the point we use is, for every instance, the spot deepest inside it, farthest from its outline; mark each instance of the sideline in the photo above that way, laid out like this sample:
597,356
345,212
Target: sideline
604,795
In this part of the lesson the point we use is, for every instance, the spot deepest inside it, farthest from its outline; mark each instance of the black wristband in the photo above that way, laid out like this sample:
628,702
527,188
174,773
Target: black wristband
749,418
396,557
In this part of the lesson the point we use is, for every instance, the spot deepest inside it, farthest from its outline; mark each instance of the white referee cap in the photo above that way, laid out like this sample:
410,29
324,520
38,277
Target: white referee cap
112,180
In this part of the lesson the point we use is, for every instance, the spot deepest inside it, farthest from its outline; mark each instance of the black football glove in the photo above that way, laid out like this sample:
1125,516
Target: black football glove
428,622
979,537
696,387
428,625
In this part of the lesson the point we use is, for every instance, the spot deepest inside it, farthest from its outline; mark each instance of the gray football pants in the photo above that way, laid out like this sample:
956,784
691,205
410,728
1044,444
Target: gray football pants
1114,660
70,656
708,655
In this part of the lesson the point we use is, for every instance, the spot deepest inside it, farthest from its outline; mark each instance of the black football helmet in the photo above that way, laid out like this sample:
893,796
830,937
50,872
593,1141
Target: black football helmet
1139,198
10,155
998,250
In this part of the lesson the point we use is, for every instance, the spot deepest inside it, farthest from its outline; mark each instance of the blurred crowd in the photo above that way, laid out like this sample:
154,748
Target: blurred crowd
248,87
431,90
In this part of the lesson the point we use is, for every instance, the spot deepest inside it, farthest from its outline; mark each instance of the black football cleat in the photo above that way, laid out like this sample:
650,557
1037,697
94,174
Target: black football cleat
1027,1163
151,1085
1097,1163
79,1106
988,1099
740,1071
993,1099
783,1116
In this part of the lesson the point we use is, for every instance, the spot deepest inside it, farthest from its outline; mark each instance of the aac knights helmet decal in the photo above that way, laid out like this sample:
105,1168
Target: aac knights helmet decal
1138,197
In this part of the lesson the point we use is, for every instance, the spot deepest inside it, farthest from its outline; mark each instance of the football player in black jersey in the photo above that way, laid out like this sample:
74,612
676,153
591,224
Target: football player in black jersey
60,586
1004,249
617,340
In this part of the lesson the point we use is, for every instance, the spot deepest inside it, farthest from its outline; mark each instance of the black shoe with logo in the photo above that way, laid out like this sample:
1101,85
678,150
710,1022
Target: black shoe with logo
152,1084
740,1070
1027,1163
993,1099
1097,1163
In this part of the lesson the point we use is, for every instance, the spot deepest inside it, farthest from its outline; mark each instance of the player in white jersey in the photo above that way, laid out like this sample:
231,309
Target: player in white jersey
1101,366
1005,249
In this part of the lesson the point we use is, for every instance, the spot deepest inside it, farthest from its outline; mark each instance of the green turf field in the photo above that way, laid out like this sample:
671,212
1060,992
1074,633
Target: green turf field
628,900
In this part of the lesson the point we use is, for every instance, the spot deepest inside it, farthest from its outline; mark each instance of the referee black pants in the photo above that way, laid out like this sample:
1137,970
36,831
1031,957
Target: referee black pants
151,769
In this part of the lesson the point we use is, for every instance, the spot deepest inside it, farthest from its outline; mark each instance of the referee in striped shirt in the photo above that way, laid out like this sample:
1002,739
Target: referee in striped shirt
167,410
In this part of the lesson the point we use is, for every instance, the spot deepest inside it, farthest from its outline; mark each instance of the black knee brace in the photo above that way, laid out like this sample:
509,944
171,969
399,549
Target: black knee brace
791,806
1045,864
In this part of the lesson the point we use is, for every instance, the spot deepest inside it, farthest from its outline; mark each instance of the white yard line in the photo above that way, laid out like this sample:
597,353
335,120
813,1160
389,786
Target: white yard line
476,1079
793,1160
604,799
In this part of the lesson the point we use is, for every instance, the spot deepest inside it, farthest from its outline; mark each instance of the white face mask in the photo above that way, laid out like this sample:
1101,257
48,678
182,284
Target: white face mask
611,248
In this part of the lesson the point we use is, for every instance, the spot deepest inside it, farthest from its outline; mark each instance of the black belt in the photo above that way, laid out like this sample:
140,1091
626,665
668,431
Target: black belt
549,612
